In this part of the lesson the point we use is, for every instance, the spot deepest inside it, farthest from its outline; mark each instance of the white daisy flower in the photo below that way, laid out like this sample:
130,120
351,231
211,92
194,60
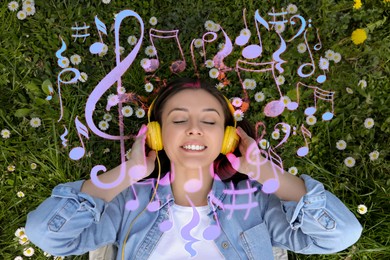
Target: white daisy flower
214,73
21,15
221,46
362,209
237,102
149,87
324,63
284,129
153,20
106,1
107,117
216,27
349,90
311,120
252,84
122,90
209,64
11,168
104,50
275,135
280,80
374,155
209,25
75,59
362,83
247,83
20,232
286,100
140,113
150,51
28,2
369,123
13,6
259,96
121,50
198,43
106,150
112,99
29,9
292,9
63,62
245,32
349,161
128,153
132,40
83,77
28,251
46,254
280,27
238,115
35,122
18,258
23,240
127,111
337,57
5,133
33,166
220,86
329,54
341,145
301,47
103,125
264,144
293,170
145,63
20,194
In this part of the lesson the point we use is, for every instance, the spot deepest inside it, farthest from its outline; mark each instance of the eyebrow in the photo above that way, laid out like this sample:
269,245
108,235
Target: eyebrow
186,110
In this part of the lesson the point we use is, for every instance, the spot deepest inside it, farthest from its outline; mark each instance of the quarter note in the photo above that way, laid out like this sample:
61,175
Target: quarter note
245,34
78,152
253,51
304,150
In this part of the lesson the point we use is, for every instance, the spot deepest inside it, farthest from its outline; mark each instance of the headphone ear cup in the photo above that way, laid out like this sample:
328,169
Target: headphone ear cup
153,136
230,140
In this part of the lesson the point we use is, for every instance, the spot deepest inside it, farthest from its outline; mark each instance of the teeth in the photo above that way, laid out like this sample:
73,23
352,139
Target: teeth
194,147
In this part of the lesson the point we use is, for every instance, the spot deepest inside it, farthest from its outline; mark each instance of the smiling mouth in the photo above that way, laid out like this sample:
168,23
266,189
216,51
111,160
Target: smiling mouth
194,147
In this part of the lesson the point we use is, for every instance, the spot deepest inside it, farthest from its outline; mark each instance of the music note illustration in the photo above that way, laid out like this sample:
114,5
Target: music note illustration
250,203
63,139
304,150
194,185
325,95
186,230
97,47
253,51
253,157
213,230
206,39
311,64
245,34
295,104
301,29
318,46
176,66
114,76
78,152
226,50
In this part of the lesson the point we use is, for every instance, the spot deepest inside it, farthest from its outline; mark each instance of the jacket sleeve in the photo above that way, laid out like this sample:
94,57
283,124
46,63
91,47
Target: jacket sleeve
71,222
318,224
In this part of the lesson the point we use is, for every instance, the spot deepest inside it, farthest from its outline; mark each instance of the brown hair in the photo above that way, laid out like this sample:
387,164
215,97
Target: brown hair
222,166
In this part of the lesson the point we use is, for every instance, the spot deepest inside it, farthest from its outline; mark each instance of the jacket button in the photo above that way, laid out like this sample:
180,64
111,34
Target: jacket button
225,245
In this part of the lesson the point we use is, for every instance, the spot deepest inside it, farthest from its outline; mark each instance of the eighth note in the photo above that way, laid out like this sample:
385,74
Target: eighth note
78,152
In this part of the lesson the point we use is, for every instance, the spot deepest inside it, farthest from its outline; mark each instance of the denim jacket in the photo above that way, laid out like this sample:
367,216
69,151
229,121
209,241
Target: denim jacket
251,222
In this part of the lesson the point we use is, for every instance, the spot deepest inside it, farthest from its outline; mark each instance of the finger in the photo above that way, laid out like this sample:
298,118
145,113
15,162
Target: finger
234,161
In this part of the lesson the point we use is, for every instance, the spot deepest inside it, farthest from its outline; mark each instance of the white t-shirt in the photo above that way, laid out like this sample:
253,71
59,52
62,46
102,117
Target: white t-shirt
172,244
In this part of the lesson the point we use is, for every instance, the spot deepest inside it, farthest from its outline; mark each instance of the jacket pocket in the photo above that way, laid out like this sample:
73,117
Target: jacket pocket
63,215
257,242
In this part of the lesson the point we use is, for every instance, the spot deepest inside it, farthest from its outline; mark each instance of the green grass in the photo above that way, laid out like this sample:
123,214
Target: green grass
27,59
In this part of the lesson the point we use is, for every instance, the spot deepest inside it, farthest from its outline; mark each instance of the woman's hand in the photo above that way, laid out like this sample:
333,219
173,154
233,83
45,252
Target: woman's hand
141,165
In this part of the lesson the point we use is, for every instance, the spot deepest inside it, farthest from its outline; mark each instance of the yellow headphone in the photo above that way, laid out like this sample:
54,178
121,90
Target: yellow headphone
154,139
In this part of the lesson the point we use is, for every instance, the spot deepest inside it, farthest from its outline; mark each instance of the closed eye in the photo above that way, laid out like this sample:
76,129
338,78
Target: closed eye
179,121
209,123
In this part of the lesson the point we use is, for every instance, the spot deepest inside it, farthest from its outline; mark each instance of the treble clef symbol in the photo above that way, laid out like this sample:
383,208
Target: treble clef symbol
106,83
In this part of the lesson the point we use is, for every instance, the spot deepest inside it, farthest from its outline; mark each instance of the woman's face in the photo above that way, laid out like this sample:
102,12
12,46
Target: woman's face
192,129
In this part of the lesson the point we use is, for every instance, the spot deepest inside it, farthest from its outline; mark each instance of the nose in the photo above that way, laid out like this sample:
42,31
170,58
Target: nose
194,129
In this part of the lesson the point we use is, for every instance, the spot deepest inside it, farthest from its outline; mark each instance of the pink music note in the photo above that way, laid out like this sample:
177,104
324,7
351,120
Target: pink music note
205,39
253,157
272,184
152,206
213,230
295,104
78,152
325,95
245,206
253,51
166,225
304,150
194,185
222,54
176,66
